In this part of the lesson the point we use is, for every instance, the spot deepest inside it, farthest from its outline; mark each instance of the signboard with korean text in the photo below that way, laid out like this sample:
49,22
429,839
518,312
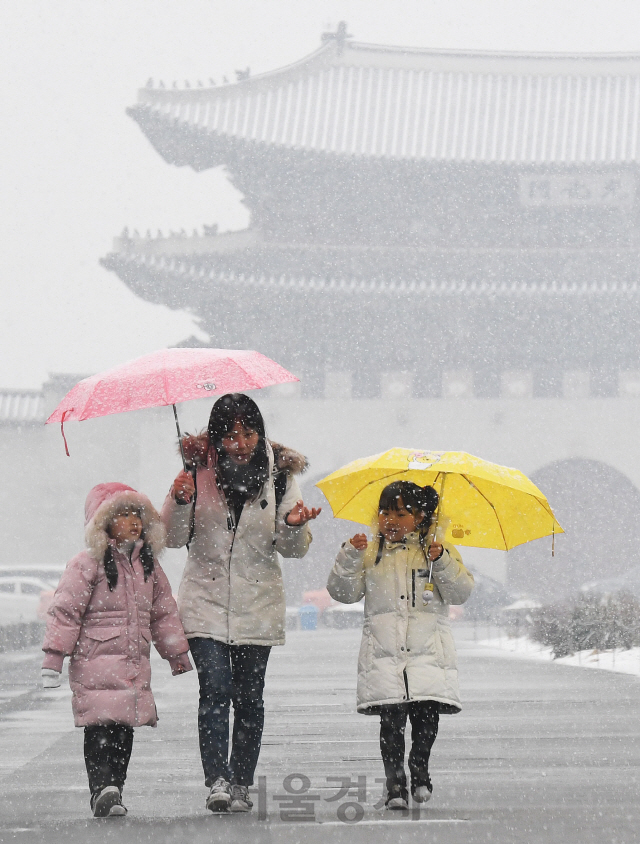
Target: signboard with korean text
586,189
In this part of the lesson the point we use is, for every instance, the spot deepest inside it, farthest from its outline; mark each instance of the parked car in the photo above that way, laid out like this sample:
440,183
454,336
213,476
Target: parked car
21,599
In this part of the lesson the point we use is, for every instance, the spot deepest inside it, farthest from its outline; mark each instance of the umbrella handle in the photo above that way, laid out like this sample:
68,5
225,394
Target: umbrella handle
435,526
175,414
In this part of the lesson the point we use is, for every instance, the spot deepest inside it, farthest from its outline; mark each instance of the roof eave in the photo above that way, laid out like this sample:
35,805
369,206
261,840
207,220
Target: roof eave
323,57
354,53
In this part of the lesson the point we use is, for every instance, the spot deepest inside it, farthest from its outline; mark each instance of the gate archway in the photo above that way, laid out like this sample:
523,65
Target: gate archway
599,509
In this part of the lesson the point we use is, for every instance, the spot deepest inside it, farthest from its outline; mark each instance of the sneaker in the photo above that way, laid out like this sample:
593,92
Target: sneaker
219,798
421,793
397,798
240,801
108,803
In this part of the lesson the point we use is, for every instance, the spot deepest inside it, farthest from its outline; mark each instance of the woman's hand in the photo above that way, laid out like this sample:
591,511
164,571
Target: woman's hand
359,541
435,551
183,488
300,515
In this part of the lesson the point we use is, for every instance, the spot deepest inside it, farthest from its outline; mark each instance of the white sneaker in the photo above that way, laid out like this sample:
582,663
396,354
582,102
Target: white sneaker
108,803
421,794
240,801
219,798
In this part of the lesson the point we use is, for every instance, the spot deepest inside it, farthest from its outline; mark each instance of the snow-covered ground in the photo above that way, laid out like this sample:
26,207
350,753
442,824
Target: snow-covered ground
621,661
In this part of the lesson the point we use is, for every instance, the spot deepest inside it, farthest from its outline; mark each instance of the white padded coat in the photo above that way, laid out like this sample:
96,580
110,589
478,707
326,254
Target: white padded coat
232,588
407,651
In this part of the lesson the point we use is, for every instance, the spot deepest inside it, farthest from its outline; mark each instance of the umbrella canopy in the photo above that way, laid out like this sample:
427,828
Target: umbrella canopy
483,505
168,376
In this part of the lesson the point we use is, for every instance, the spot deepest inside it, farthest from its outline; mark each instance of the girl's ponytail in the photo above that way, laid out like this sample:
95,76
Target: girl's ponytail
428,504
146,558
111,570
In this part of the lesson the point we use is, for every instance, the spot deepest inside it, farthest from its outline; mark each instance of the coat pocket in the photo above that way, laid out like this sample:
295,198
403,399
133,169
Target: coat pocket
145,644
100,641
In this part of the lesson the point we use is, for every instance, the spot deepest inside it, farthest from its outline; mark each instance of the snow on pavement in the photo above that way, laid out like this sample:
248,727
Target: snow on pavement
618,660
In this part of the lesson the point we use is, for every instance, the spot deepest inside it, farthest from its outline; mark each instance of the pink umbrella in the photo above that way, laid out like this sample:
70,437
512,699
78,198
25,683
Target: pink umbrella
167,377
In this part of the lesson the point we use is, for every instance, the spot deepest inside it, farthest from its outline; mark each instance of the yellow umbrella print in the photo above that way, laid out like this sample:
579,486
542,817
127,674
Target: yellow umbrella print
482,504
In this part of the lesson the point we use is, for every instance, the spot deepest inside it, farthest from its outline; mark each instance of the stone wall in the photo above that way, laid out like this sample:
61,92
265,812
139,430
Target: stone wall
43,492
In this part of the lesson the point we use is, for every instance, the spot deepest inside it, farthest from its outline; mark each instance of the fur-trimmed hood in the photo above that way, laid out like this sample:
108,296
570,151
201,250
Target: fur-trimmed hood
102,504
196,448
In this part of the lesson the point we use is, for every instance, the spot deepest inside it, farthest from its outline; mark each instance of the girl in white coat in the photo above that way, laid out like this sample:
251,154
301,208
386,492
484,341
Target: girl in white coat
407,664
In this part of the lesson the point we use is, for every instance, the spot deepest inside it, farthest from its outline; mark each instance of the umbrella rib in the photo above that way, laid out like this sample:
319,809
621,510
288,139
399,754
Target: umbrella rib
473,486
359,492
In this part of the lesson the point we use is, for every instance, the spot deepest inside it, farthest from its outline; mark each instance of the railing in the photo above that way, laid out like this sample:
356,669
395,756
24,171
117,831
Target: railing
18,406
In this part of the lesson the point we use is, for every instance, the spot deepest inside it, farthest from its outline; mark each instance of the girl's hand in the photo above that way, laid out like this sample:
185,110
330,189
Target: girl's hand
50,678
435,551
180,664
300,515
359,541
183,488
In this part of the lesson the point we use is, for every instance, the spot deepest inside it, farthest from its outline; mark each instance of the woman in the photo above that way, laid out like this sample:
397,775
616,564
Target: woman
238,507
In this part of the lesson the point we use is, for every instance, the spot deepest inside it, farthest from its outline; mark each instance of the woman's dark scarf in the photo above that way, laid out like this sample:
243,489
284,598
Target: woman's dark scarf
242,483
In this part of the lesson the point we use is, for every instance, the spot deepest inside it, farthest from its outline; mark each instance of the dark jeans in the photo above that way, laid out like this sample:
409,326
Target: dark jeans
230,673
424,716
107,750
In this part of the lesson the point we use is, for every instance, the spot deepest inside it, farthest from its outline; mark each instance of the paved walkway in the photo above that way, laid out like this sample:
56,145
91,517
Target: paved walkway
541,753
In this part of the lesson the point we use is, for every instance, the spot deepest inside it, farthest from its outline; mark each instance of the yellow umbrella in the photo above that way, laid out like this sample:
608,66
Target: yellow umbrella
482,504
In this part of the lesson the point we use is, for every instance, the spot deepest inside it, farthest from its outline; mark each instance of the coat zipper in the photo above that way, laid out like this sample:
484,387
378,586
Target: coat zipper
128,575
406,621
232,527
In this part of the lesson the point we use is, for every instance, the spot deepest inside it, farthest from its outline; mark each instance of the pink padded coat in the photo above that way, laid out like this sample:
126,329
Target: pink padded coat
107,633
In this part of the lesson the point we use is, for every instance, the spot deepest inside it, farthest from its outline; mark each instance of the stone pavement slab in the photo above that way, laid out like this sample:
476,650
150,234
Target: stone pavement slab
541,753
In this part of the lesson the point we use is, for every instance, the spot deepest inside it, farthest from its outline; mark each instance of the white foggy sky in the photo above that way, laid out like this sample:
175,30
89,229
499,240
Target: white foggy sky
75,169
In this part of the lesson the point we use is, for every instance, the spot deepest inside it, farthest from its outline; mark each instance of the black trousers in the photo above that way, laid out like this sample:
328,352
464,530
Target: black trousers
107,750
424,716
230,673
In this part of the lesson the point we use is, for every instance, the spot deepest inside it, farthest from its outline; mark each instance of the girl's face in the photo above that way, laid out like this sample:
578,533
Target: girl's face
240,443
125,527
394,525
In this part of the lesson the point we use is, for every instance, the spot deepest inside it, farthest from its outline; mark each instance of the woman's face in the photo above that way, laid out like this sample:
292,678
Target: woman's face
240,443
125,527
394,525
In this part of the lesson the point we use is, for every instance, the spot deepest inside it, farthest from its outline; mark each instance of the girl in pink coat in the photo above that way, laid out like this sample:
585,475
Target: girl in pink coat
112,601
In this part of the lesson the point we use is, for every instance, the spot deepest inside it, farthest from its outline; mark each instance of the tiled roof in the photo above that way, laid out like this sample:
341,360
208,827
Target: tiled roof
472,272
18,406
362,100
